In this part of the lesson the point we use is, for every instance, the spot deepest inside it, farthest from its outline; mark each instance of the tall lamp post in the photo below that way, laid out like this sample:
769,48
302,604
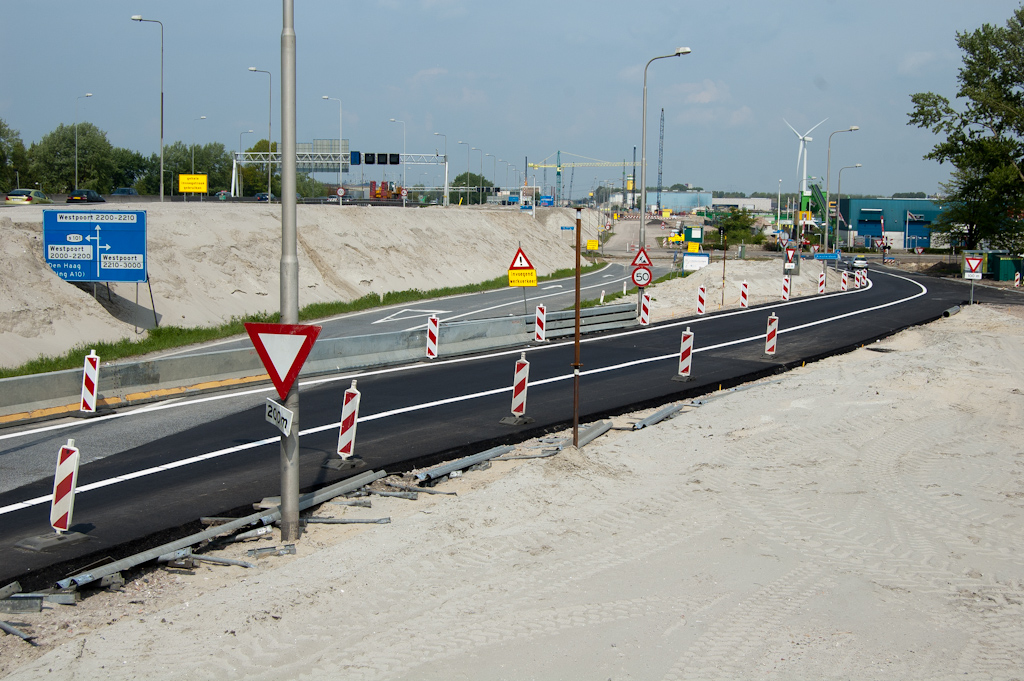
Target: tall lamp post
244,132
87,94
778,209
270,120
340,159
828,173
494,168
445,166
138,17
480,177
201,118
643,148
405,189
468,149
839,195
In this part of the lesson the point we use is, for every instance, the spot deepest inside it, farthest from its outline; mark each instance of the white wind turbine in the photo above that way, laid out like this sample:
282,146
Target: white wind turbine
804,139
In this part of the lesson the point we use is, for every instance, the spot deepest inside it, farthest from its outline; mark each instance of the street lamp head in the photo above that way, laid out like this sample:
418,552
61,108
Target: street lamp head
202,118
325,97
856,165
680,51
88,94
854,127
136,17
253,68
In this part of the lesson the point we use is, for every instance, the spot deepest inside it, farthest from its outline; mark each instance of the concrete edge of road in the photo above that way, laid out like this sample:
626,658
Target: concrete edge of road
25,399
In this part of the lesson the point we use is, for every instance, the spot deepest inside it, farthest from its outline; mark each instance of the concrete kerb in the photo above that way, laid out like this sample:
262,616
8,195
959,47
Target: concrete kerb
54,394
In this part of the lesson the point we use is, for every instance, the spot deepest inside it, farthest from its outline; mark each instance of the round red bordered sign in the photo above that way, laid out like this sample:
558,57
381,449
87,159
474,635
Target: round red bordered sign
641,277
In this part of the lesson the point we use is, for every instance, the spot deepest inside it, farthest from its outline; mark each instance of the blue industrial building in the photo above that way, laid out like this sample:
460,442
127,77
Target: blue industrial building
680,201
904,223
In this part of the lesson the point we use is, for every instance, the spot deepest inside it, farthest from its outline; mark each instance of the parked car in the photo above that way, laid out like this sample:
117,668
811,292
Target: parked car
262,196
85,196
25,197
125,191
223,195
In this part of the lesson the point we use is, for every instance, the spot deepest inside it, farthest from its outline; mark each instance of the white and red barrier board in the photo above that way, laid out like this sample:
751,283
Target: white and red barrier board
90,382
1016,279
844,284
349,419
645,309
519,382
743,294
64,483
433,326
785,287
701,299
771,337
856,279
686,353
540,323
821,283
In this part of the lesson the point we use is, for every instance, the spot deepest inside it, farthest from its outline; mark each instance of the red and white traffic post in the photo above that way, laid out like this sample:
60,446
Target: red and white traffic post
1016,279
90,382
856,278
349,419
771,337
743,294
821,282
520,380
844,284
685,355
64,483
701,299
540,324
433,326
645,309
785,286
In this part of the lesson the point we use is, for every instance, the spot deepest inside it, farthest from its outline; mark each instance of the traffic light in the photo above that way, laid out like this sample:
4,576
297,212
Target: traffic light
369,159
394,159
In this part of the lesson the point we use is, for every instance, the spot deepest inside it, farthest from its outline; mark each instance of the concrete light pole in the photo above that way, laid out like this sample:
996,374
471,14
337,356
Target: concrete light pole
138,17
270,121
828,175
839,197
445,166
341,163
87,94
643,148
480,177
244,132
405,189
468,149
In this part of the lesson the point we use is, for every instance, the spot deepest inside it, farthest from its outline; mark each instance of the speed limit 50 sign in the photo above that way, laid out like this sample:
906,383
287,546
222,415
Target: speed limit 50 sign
641,277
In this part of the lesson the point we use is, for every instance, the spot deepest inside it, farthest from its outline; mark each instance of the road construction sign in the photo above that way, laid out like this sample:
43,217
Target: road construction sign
641,259
521,272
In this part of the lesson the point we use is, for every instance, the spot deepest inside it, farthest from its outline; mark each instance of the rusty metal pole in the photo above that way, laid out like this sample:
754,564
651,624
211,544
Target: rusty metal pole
576,345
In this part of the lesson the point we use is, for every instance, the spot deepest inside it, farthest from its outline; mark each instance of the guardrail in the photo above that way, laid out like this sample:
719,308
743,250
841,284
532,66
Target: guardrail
53,394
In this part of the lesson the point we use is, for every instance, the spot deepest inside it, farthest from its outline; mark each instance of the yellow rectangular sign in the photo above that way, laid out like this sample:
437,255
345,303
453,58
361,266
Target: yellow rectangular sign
692,247
192,184
677,237
592,245
522,277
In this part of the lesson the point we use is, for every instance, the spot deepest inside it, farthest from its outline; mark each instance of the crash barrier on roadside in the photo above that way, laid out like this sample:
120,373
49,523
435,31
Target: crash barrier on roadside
54,393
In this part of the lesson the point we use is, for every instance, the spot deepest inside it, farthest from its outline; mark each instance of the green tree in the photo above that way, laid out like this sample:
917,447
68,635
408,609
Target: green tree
13,158
910,195
469,187
52,159
738,224
254,176
983,136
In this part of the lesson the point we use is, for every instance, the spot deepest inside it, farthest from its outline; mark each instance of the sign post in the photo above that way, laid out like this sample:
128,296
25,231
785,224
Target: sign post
972,271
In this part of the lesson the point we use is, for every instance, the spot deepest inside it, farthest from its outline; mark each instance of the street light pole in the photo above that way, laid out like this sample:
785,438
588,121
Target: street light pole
244,132
778,209
138,17
404,187
270,121
445,166
494,168
480,177
468,149
839,197
341,163
828,174
643,149
87,94
201,118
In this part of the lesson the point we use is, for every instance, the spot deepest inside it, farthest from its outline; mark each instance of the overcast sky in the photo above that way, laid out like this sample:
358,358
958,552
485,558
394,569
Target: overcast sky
522,79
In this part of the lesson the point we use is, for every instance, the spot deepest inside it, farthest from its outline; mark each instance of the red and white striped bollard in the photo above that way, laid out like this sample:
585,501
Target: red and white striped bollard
685,355
785,287
540,324
645,309
90,382
519,382
349,419
821,282
844,283
771,337
64,482
433,326
1016,279
701,299
743,294
856,279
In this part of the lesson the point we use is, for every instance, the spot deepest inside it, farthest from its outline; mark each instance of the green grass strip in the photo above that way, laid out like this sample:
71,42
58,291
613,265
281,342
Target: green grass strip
595,302
170,337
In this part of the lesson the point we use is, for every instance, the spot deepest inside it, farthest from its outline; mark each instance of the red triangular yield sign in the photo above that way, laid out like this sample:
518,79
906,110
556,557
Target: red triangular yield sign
973,264
283,349
521,262
641,259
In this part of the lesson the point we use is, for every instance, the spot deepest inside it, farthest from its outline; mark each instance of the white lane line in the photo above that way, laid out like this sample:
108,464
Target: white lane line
461,398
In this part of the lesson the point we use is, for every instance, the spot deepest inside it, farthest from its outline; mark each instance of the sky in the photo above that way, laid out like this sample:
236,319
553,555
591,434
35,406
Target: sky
517,81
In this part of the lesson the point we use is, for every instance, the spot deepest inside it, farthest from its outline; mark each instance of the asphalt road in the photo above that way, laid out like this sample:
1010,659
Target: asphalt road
161,467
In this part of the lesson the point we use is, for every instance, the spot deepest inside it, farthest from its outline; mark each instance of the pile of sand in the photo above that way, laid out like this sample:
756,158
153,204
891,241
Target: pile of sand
212,261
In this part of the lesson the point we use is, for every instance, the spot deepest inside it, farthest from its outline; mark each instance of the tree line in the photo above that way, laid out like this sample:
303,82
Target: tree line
49,165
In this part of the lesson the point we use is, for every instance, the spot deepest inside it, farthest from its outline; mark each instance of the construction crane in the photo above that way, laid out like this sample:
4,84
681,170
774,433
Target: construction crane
661,154
558,165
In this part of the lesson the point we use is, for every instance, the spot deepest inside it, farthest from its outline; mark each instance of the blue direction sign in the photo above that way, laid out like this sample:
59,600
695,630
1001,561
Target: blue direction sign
102,245
827,256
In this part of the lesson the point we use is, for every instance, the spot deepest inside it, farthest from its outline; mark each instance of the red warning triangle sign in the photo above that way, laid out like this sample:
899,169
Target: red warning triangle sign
973,264
521,262
283,349
641,259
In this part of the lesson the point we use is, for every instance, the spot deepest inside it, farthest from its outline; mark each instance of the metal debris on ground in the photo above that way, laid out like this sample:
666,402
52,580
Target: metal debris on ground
346,521
462,464
363,503
400,495
425,490
8,629
287,549
19,603
586,435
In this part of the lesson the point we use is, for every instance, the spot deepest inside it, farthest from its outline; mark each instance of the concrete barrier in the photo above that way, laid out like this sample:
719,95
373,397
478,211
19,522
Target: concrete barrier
54,394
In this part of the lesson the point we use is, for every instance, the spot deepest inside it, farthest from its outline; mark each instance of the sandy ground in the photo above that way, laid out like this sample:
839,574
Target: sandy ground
858,518
213,261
